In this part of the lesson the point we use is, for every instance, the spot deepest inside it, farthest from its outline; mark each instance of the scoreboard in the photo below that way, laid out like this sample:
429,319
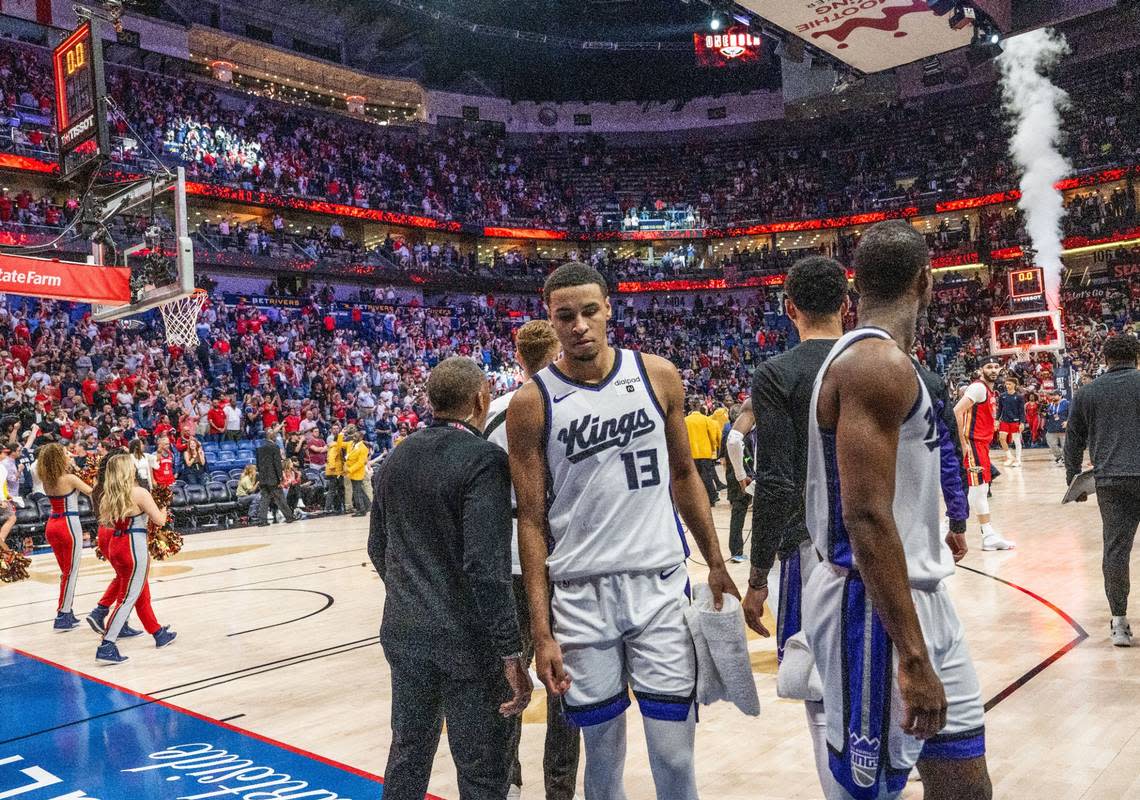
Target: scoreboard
1027,288
80,92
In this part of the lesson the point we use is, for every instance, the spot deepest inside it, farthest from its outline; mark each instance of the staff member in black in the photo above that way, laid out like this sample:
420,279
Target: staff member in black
270,473
1106,416
440,539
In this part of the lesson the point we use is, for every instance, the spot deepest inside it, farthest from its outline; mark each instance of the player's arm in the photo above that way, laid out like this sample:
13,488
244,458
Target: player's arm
688,491
734,445
1076,438
526,420
877,391
962,417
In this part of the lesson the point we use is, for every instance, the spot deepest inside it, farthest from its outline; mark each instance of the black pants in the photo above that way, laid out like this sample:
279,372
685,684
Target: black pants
277,497
1120,512
740,502
706,468
426,692
334,494
561,751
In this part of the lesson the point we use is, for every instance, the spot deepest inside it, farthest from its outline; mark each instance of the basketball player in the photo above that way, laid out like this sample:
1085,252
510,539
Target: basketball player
899,687
1011,421
975,415
599,454
536,346
816,302
63,532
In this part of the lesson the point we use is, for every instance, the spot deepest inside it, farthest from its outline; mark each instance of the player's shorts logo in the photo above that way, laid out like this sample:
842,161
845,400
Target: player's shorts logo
864,760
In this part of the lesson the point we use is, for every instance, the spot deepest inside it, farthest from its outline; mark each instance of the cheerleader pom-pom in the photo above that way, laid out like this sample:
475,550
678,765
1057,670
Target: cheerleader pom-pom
162,543
162,495
13,566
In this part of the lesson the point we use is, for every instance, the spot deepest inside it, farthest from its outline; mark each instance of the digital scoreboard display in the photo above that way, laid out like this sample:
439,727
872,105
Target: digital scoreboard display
1027,287
77,64
735,45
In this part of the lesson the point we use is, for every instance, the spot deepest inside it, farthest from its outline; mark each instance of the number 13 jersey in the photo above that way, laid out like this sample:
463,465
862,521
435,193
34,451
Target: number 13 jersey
608,480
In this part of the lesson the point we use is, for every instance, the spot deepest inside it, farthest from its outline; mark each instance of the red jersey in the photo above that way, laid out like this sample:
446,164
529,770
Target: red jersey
980,424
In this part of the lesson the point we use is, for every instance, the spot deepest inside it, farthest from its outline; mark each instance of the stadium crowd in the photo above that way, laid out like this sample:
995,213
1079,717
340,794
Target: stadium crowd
814,168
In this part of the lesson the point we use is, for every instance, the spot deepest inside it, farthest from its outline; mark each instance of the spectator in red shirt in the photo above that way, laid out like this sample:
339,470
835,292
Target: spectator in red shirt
217,419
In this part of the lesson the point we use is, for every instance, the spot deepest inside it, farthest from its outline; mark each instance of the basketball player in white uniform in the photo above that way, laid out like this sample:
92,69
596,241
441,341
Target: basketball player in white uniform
536,346
899,686
599,454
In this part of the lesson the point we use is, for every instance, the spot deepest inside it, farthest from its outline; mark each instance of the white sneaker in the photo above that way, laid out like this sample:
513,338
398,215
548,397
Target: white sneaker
514,793
1121,632
1008,462
996,542
1017,463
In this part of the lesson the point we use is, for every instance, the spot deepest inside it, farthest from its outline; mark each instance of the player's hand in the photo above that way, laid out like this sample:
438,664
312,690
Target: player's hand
721,583
1083,497
548,663
924,699
514,670
958,545
753,603
745,483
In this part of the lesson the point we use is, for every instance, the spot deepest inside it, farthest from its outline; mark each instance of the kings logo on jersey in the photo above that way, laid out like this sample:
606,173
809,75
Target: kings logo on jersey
590,434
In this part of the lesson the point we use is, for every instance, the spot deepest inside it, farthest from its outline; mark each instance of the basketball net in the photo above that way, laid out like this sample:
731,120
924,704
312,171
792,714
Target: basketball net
1024,348
180,318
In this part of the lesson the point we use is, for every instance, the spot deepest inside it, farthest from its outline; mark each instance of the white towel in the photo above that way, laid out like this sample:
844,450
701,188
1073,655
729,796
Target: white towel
724,671
797,678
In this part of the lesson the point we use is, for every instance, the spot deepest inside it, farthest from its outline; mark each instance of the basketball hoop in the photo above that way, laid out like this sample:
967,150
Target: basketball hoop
180,317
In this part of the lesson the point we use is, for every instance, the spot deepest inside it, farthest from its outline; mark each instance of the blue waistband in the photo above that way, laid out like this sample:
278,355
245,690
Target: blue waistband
129,530
62,514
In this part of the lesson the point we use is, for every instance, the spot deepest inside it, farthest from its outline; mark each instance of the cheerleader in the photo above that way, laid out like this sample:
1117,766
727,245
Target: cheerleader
63,532
125,508
97,619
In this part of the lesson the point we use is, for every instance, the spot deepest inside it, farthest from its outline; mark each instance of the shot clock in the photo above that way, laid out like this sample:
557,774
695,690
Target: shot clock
1027,288
81,117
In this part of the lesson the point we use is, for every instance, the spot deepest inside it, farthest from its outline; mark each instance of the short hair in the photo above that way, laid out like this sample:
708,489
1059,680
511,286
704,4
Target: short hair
889,257
537,344
573,273
1121,349
453,383
817,285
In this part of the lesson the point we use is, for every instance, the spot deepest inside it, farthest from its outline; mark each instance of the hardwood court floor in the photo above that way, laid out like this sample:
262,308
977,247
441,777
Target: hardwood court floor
277,633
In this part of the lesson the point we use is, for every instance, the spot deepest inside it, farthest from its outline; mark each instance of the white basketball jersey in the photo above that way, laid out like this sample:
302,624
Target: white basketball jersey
496,433
918,485
610,507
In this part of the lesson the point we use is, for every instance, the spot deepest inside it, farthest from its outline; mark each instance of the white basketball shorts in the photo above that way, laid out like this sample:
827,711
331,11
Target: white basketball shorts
621,631
869,754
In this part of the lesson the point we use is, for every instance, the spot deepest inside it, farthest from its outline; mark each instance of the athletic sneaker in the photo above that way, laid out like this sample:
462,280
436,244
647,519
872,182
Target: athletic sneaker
97,619
738,559
108,653
164,636
514,793
997,542
65,621
1008,461
129,633
1017,463
1121,632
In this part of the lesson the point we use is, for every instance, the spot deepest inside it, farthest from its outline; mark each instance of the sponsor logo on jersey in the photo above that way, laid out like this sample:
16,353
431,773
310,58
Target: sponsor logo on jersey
591,435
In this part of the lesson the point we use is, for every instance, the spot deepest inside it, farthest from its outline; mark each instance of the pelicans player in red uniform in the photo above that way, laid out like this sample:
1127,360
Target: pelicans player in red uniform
975,413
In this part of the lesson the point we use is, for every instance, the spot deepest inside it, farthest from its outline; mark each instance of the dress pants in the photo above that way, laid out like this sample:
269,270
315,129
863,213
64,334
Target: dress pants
706,468
739,500
429,690
277,497
1119,502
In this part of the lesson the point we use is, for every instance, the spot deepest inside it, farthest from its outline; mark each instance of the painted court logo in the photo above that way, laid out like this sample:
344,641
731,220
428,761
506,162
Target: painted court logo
220,773
864,760
591,435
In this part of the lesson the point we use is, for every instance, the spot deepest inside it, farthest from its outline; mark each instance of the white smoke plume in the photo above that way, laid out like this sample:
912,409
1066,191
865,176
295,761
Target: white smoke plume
1034,105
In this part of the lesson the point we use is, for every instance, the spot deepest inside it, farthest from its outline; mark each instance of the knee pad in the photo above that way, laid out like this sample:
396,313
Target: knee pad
979,502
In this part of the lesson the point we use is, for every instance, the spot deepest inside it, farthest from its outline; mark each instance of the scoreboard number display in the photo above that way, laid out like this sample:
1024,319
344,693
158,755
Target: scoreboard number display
80,89
1027,287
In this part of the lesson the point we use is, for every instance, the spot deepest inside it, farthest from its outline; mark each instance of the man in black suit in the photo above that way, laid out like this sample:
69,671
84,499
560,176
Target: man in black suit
440,539
269,477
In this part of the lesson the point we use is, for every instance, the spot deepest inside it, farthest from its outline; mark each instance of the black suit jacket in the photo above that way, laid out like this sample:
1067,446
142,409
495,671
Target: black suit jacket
440,538
269,468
